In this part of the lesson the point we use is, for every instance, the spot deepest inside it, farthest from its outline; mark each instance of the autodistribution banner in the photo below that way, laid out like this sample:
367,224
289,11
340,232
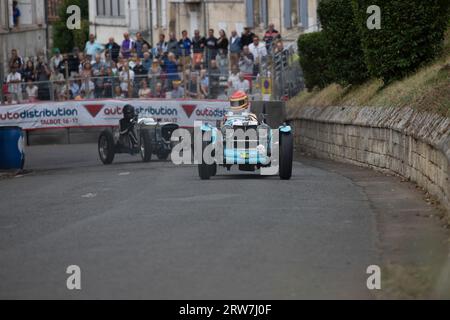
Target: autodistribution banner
94,113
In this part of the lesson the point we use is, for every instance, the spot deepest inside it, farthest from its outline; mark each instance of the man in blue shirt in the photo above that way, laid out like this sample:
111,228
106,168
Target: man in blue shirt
92,47
184,46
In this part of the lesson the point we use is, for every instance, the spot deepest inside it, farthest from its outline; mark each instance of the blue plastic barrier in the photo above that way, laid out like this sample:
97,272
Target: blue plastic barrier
12,155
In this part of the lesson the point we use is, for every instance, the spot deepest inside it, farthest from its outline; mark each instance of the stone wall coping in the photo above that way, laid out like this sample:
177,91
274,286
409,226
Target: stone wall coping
430,128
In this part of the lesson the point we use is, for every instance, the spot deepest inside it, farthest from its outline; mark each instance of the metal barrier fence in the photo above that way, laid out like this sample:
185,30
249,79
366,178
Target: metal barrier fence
213,75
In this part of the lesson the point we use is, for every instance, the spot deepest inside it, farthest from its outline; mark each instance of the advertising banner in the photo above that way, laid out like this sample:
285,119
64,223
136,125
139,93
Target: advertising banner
94,113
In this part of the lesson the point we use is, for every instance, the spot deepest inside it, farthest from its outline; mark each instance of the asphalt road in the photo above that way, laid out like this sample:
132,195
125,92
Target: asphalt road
156,231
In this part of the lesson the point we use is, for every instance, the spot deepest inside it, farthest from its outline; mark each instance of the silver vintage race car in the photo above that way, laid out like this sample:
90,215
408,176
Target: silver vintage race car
137,134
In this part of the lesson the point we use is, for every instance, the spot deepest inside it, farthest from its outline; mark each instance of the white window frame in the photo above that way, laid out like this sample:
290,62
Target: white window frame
110,8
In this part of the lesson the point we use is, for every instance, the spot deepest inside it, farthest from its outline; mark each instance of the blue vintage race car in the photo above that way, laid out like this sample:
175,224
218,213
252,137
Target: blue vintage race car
244,141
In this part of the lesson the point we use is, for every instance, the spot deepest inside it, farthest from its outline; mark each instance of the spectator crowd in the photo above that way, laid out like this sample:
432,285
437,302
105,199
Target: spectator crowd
199,67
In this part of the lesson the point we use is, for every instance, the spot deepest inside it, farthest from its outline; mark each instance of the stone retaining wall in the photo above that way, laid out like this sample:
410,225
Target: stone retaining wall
412,144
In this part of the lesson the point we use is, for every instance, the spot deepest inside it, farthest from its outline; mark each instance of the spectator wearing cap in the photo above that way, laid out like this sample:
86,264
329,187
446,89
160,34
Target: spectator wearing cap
92,47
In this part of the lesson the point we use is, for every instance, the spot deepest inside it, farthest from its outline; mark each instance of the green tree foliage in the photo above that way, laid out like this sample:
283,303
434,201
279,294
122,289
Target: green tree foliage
66,39
345,55
313,52
411,34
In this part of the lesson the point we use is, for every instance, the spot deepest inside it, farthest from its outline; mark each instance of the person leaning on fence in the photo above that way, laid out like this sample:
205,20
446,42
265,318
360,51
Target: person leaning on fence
126,77
144,91
159,92
177,91
241,84
57,81
204,83
31,91
193,86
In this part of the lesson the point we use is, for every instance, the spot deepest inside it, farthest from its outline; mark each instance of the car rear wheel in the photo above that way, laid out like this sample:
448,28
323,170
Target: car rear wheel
163,155
206,171
146,146
106,147
286,155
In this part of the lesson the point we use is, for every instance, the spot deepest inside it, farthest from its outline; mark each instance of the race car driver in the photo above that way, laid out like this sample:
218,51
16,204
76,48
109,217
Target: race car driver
128,133
239,102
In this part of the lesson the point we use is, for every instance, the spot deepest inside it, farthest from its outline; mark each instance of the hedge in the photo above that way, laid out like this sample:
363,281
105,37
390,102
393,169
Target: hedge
346,57
411,34
313,53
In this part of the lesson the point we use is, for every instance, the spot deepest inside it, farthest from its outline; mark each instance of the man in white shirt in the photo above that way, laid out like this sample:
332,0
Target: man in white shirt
241,84
259,51
14,88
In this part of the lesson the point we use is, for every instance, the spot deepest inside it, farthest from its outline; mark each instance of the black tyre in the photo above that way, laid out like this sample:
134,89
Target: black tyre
286,155
106,147
163,155
205,171
146,146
